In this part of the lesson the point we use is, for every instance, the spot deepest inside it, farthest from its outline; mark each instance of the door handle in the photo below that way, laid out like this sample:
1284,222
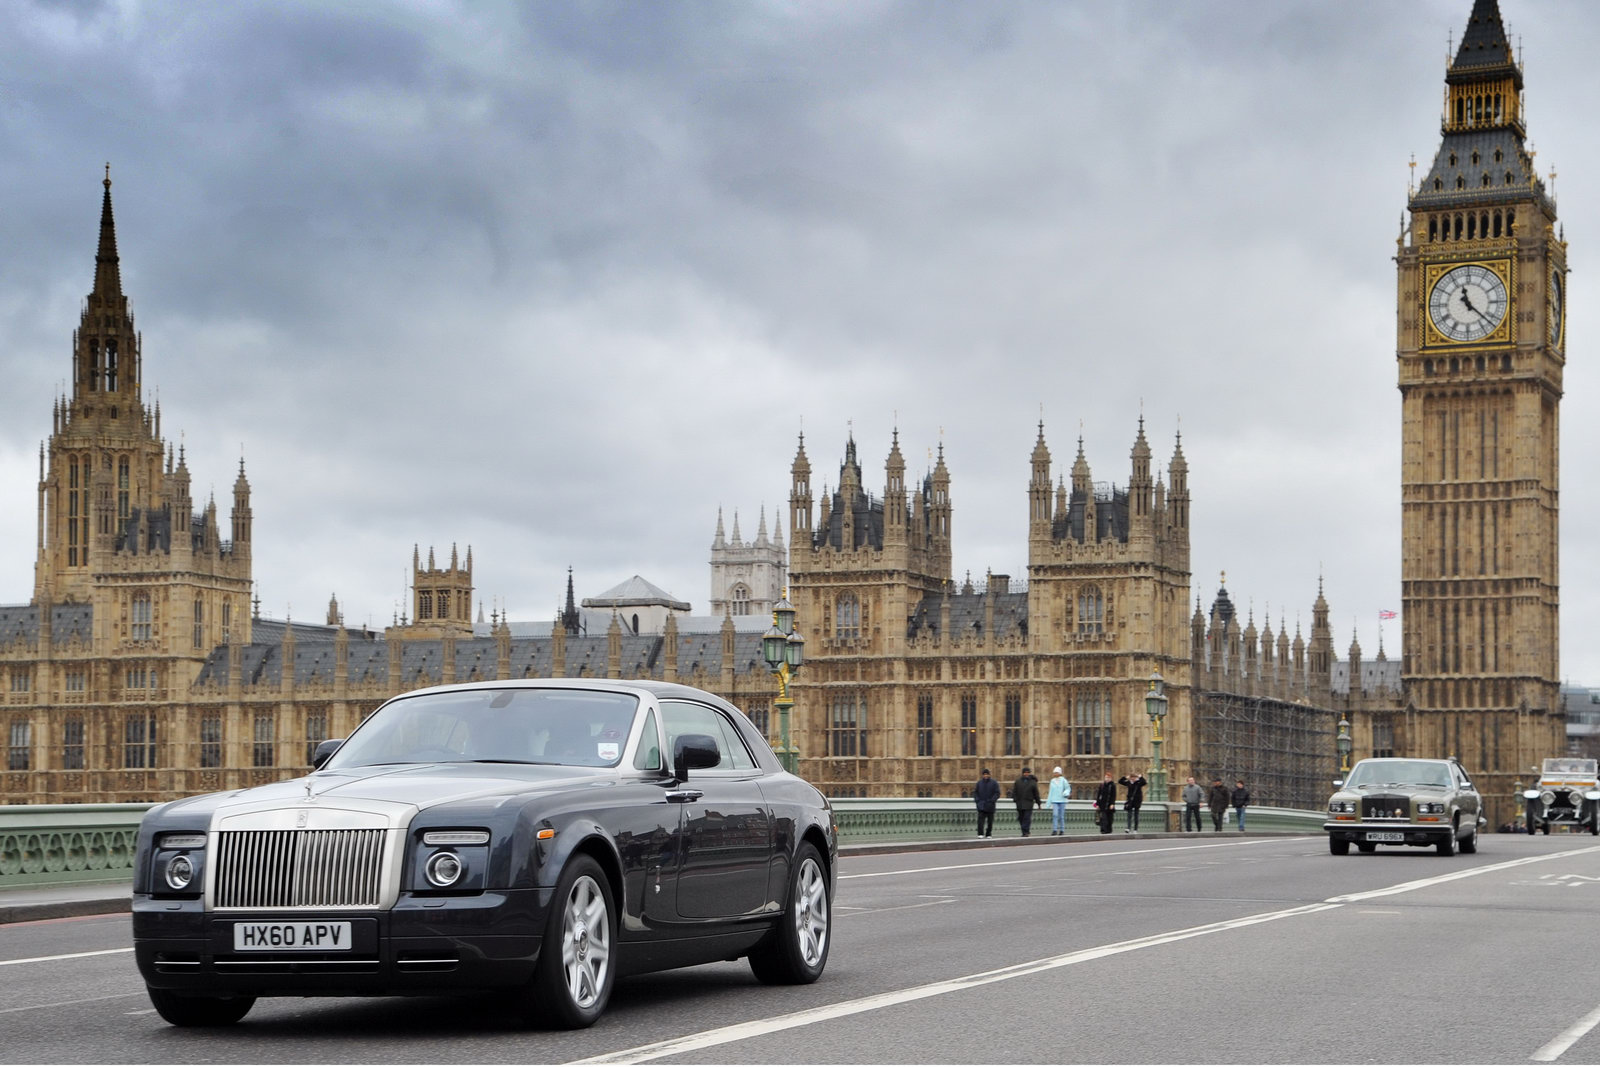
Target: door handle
684,796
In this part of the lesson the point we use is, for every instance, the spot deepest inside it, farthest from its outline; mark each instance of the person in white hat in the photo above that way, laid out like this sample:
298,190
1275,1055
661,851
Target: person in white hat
1060,793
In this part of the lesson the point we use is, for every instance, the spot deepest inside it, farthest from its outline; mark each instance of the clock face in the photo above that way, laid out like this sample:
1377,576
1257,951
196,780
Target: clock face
1553,306
1468,303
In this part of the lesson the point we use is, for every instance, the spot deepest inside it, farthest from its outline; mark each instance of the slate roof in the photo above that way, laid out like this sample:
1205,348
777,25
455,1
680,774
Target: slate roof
67,621
1377,676
967,612
635,592
643,655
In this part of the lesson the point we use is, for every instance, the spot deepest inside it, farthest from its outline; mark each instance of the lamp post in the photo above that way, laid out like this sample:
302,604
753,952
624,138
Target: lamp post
1344,745
1155,706
783,649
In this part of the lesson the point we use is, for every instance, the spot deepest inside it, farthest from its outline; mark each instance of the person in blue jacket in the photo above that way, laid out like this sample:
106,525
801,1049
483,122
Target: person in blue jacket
1060,793
985,795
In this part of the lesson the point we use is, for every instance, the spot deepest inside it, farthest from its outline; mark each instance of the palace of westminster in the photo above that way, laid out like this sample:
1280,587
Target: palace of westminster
139,671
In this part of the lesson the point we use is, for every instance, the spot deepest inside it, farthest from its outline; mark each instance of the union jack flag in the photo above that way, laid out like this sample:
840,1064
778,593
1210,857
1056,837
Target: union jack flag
1385,614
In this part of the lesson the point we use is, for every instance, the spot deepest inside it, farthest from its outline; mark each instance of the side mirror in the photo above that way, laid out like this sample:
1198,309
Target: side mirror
324,750
693,752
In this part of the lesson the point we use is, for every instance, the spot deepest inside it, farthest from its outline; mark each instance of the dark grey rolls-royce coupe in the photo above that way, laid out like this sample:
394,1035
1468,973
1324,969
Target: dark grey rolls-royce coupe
539,837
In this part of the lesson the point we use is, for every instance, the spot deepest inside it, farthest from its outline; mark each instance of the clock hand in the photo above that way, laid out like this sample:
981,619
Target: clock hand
1467,300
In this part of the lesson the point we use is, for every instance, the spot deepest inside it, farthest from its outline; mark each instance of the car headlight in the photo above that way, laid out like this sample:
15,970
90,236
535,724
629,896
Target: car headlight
1342,807
450,860
177,862
180,872
1530,794
444,869
1547,798
1591,794
1430,807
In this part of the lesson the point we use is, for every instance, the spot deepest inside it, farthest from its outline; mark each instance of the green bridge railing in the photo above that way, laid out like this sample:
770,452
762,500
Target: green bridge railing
65,844
68,844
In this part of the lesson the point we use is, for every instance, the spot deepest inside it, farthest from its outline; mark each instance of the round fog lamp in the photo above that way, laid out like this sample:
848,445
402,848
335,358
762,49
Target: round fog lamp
180,871
444,869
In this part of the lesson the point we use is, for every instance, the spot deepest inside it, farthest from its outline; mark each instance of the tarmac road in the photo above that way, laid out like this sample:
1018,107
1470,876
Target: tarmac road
1201,949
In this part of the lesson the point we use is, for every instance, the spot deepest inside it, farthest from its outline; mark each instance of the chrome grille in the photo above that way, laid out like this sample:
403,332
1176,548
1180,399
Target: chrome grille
299,868
1386,807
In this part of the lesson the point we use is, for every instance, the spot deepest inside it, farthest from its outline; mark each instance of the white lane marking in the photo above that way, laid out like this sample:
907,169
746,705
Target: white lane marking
1055,859
1470,872
760,1028
68,956
144,1011
1568,1037
897,907
69,1003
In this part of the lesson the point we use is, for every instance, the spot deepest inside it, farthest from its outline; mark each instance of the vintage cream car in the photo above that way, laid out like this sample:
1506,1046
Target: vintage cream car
1568,794
1418,802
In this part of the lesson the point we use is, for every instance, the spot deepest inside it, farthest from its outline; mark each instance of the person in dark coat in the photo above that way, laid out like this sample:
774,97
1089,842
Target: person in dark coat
985,795
1105,803
1025,795
1134,783
1240,798
1217,801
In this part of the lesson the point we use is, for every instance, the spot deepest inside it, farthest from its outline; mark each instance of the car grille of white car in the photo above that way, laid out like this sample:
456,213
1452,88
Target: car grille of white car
299,868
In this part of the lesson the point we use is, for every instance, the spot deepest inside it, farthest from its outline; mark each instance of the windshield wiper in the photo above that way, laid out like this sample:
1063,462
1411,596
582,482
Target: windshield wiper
530,762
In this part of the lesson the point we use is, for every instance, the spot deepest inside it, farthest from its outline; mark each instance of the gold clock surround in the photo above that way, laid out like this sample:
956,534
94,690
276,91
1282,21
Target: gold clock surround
1502,334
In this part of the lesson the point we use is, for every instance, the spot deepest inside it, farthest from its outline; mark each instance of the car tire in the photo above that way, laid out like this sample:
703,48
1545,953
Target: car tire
1367,847
1544,828
577,963
181,1009
1338,847
1447,843
797,950
1469,844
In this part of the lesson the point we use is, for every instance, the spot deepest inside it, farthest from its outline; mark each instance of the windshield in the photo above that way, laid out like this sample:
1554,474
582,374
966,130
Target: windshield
1576,767
575,728
1399,772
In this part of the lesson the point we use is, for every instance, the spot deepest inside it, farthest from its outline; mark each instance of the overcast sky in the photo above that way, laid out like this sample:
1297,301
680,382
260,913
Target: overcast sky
558,280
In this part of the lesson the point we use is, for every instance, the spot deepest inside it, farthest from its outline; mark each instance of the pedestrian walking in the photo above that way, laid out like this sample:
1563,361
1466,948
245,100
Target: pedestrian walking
1193,796
1025,795
986,794
1134,784
1060,793
1105,803
1218,801
1240,798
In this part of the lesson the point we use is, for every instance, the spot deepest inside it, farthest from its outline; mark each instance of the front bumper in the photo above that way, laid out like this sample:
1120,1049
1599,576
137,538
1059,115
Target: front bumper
1384,833
422,945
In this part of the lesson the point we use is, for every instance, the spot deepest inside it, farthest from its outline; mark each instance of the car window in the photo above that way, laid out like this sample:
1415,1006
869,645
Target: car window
648,757
682,717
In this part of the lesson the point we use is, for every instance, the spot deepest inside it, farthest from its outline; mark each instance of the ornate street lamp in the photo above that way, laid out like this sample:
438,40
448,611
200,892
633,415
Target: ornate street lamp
1155,706
783,649
1344,745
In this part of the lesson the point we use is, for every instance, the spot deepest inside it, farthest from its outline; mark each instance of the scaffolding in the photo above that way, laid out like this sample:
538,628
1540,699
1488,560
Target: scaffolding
1283,750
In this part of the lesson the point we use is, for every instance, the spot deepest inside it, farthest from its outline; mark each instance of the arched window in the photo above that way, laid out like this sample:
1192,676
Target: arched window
1091,611
635,622
424,606
199,622
139,617
847,618
740,595
111,366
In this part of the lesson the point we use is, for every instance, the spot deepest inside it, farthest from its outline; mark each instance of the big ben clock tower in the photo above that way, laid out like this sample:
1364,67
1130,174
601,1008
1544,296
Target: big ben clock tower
1482,331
